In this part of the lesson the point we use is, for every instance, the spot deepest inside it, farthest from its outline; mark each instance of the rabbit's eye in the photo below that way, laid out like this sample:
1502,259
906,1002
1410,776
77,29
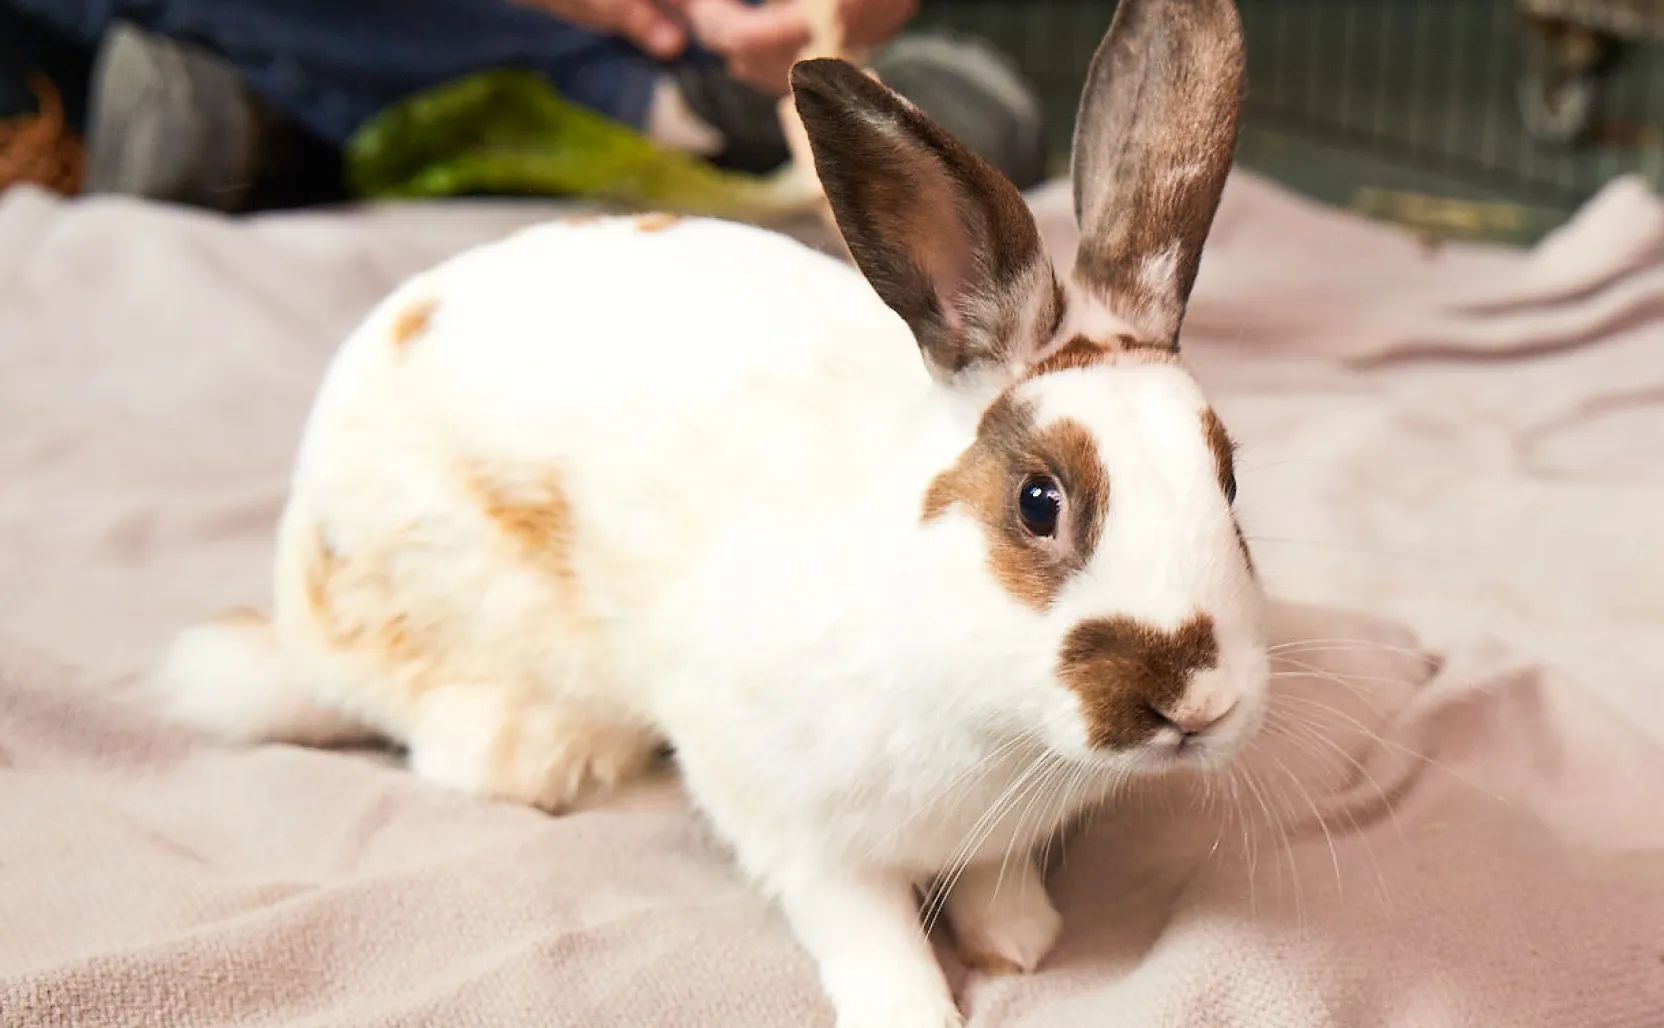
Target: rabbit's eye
1230,487
1039,504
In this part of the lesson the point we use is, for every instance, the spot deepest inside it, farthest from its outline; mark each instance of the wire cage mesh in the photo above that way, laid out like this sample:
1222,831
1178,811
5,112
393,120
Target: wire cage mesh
1483,118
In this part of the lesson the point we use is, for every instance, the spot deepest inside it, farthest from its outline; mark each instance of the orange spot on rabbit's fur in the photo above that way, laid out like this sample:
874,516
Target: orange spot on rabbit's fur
537,517
502,736
319,577
352,605
241,617
657,221
412,321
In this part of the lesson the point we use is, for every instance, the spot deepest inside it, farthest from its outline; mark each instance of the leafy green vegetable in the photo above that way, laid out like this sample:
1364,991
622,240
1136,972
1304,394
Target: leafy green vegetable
508,132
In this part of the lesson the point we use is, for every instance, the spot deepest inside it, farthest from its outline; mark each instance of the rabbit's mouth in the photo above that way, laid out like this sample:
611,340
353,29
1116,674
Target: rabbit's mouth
1210,748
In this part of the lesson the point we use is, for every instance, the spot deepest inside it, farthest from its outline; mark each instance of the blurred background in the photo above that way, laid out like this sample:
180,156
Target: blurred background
1486,119
1476,118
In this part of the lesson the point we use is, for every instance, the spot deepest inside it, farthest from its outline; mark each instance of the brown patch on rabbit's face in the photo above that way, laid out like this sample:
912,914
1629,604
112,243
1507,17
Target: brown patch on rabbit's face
986,481
657,221
1130,675
1224,457
1219,441
412,322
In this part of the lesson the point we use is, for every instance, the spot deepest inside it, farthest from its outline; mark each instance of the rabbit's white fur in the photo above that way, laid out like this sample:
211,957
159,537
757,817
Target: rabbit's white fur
618,482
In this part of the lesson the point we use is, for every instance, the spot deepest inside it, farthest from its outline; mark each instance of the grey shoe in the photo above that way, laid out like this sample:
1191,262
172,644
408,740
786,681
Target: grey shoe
169,121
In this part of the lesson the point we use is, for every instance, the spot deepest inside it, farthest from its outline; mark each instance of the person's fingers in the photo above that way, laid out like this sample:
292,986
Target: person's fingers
874,22
737,30
645,25
757,44
639,21
770,76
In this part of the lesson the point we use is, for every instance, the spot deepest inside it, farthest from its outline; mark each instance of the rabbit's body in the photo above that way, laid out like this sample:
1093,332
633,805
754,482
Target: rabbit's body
527,551
899,618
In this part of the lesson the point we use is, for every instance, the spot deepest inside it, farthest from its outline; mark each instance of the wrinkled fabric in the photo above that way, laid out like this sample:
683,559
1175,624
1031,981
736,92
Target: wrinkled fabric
1452,465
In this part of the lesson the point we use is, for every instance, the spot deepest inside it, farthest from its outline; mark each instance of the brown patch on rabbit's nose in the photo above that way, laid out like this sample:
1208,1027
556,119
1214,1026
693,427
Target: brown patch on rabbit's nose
1126,672
412,322
657,221
985,481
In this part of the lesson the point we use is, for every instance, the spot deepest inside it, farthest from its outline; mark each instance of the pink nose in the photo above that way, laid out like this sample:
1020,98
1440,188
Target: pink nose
1194,722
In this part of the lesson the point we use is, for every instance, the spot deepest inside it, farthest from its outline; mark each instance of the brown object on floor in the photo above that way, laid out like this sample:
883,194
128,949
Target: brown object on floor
39,148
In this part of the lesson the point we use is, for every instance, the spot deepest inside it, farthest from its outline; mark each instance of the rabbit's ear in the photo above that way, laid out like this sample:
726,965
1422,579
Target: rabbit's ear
945,239
1153,143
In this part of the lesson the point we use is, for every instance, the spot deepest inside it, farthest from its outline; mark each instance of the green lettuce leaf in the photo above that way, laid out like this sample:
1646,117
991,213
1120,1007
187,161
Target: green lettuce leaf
510,133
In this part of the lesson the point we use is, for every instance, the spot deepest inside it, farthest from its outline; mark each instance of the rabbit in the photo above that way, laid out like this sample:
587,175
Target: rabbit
878,548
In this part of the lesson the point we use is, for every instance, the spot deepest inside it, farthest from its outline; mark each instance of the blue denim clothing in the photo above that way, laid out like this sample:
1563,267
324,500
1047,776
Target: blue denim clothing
332,64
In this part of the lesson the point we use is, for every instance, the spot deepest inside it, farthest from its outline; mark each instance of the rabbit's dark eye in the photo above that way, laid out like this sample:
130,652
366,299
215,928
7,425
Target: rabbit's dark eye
1039,504
1230,487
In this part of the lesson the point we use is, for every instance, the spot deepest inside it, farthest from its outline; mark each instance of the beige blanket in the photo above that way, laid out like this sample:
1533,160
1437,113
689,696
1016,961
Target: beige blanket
1467,442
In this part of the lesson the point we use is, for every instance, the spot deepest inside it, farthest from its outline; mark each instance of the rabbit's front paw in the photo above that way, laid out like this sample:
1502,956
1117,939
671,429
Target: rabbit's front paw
1003,927
862,928
874,1009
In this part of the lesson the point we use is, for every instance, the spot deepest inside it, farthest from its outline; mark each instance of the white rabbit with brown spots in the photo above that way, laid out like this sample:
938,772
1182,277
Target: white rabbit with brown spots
873,550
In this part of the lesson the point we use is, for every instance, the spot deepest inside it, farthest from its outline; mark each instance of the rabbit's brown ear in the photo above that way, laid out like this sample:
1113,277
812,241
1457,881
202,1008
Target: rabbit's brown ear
945,239
1153,143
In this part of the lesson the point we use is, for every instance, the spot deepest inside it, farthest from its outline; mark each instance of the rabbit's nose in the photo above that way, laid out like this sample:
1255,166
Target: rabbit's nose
1193,721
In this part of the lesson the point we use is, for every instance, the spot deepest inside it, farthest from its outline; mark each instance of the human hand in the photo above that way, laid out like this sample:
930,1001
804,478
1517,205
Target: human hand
649,24
760,43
